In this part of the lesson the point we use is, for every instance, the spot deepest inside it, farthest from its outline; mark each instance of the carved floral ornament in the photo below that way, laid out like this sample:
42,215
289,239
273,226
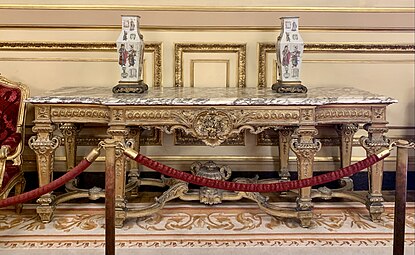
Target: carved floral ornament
213,126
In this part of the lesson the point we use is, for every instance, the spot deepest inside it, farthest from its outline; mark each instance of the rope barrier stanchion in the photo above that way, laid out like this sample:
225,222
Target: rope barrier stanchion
74,172
400,196
256,187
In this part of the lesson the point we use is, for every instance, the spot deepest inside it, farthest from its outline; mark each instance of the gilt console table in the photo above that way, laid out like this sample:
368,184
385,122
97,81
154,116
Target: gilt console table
212,115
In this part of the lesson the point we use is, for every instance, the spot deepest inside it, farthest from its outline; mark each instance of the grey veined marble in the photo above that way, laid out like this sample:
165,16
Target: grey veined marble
210,96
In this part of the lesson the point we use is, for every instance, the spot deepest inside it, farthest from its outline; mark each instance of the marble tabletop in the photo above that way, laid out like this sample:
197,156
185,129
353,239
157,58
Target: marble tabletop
209,96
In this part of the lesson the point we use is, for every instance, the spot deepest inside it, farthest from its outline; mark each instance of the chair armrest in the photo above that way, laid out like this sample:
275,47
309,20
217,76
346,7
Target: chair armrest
4,151
12,141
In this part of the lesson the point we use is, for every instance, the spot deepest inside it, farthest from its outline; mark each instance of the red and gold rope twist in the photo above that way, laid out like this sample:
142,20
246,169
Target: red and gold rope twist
256,187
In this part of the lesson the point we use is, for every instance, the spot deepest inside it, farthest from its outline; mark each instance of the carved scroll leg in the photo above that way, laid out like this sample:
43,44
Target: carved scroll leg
18,189
119,133
305,147
70,134
132,165
44,145
284,138
374,143
346,133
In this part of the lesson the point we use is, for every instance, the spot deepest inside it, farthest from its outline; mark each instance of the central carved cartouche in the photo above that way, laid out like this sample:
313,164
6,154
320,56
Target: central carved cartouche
213,126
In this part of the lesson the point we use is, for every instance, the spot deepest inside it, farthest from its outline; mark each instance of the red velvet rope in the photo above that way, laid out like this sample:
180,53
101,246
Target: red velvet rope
256,187
84,164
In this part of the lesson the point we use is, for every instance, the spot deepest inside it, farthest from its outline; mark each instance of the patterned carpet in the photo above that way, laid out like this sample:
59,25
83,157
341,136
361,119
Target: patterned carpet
338,228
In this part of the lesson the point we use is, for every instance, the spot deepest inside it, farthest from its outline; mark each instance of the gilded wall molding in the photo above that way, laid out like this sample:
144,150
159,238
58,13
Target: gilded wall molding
181,48
377,48
204,8
154,48
190,28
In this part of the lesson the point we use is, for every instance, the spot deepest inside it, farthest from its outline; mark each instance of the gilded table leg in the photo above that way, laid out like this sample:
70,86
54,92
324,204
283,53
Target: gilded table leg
346,133
70,133
133,173
284,138
119,133
305,147
44,145
373,144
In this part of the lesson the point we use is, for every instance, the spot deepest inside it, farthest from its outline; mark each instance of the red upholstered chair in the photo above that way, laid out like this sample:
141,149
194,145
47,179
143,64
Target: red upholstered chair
12,115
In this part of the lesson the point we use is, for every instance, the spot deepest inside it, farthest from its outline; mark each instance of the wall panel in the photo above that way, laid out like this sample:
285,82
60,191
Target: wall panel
366,44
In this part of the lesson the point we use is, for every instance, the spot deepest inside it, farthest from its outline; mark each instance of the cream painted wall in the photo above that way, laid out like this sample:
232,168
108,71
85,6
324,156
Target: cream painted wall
385,28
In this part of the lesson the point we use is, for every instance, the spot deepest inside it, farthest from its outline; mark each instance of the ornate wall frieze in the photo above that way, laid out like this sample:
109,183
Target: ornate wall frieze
192,6
181,48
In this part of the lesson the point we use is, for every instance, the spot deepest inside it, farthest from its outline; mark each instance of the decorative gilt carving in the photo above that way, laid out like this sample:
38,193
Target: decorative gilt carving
213,171
379,113
269,48
135,115
117,115
175,191
283,115
212,126
270,138
44,147
373,144
346,133
46,207
307,115
305,147
284,139
148,137
42,113
79,114
355,114
70,133
181,48
181,138
118,134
